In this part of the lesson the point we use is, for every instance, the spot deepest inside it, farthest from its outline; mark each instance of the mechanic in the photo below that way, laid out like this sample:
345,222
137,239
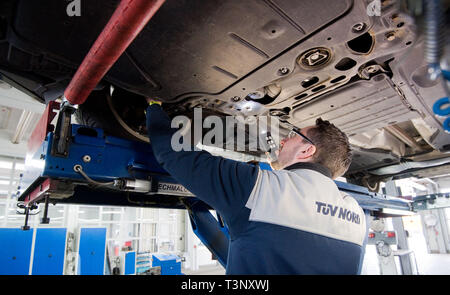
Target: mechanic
292,220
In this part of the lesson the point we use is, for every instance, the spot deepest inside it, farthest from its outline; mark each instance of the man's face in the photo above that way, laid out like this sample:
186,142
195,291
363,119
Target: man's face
292,150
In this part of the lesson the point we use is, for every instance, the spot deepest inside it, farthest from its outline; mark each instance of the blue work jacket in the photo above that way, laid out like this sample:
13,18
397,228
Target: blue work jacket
293,221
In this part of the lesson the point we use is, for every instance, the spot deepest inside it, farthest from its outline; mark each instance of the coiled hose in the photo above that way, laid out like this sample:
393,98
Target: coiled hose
434,48
434,33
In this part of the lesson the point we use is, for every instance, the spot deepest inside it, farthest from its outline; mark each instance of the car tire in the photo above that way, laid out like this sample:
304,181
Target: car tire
98,111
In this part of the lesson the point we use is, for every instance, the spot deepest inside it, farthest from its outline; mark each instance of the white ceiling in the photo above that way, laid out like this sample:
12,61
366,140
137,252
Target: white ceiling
19,114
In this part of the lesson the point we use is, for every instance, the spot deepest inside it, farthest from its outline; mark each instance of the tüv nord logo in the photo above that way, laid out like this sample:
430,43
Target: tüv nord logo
74,8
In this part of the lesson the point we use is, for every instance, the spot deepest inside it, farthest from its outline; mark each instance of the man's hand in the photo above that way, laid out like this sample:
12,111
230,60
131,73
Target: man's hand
151,101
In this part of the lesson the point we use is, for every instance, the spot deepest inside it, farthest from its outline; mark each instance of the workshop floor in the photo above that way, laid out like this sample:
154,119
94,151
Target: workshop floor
206,270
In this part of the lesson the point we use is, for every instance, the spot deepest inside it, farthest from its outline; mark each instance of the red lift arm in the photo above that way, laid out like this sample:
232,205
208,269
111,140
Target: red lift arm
128,20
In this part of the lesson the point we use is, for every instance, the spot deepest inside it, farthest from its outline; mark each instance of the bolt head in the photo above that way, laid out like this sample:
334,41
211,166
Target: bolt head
358,27
390,36
256,95
283,71
315,56
372,69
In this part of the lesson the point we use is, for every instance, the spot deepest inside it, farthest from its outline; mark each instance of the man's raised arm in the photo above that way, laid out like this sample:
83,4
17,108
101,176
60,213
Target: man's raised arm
223,184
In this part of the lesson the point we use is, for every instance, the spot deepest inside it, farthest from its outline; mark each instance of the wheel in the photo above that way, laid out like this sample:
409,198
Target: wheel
371,183
117,112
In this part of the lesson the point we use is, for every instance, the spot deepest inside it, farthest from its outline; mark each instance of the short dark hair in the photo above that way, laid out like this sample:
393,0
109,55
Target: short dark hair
332,147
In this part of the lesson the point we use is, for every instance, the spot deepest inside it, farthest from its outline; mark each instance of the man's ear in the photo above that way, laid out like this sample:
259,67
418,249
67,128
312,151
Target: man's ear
306,152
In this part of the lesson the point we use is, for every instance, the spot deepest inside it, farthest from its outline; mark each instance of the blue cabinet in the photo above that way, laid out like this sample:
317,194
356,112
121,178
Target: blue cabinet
49,251
170,264
130,263
15,251
91,251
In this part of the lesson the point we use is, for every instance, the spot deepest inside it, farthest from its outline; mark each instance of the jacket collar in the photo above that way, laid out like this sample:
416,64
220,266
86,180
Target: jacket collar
312,166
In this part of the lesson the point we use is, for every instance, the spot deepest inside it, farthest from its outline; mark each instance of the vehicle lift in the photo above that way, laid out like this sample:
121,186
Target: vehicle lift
74,164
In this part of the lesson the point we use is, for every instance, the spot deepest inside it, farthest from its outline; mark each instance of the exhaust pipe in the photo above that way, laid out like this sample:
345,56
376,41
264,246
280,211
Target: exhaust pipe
126,23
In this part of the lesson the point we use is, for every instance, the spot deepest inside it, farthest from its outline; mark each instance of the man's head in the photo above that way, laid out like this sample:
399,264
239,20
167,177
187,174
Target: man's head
325,144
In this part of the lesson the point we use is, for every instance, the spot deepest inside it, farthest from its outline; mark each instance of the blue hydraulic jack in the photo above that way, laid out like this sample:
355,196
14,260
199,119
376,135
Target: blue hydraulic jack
77,164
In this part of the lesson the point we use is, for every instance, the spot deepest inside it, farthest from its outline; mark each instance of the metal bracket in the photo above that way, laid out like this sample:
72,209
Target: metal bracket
60,147
45,219
27,214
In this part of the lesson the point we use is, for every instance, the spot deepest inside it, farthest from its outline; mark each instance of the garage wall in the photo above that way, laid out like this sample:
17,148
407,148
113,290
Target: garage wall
444,184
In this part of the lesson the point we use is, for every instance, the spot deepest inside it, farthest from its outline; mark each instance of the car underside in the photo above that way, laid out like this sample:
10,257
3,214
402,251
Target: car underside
364,70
